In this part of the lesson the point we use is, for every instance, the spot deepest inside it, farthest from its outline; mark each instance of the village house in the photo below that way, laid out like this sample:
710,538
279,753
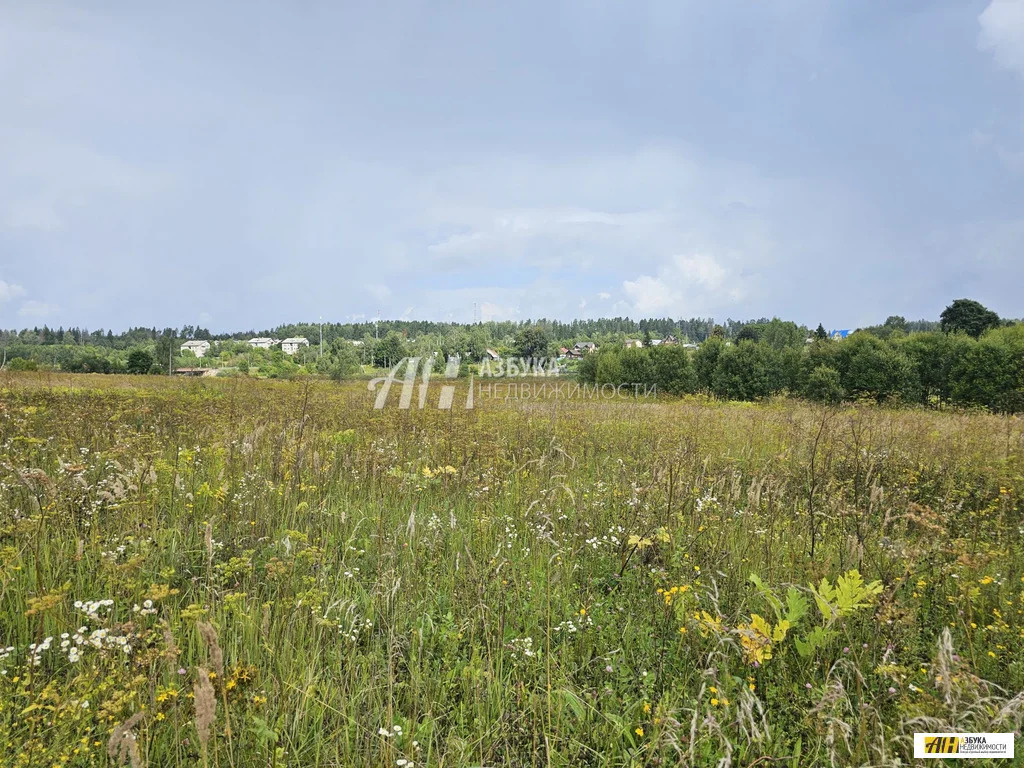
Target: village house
262,342
292,345
633,344
581,348
197,347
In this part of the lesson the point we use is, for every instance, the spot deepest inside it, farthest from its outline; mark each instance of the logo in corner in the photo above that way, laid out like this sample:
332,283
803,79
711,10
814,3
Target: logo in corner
962,745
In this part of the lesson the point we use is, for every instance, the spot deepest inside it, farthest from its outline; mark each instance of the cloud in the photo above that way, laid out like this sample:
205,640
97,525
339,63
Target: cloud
37,309
604,296
1002,33
491,311
379,291
685,286
10,291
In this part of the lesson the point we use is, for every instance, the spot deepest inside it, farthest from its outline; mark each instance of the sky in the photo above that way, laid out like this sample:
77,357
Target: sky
237,165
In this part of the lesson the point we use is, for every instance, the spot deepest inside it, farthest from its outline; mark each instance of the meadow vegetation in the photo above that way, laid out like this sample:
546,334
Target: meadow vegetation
230,572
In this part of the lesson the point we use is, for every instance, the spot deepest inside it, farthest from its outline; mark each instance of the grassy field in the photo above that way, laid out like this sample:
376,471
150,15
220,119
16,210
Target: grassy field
240,573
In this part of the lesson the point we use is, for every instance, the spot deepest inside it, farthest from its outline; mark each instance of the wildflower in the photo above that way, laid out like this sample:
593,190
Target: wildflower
714,702
639,731
647,708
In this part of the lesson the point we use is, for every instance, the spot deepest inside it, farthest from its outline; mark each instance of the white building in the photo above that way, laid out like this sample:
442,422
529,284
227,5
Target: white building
291,346
197,347
261,342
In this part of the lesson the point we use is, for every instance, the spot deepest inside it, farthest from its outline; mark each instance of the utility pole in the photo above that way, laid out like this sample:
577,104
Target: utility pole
321,335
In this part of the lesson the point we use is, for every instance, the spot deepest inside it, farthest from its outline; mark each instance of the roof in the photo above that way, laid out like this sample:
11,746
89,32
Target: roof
196,343
296,340
261,340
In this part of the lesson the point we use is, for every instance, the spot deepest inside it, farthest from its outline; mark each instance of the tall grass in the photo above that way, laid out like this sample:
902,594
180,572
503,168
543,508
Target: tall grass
297,579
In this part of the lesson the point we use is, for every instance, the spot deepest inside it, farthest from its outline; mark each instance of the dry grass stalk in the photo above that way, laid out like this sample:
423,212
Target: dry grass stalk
206,708
123,746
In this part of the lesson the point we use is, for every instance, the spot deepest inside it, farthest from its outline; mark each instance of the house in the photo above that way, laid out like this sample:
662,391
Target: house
197,347
581,348
834,335
670,339
195,371
262,342
490,354
292,345
689,346
633,344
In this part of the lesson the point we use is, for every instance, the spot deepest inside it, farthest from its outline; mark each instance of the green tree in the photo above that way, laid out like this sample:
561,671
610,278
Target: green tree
531,342
820,333
673,370
933,355
705,360
991,372
609,367
389,351
824,385
967,316
586,371
748,371
139,361
749,332
636,367
870,367
780,334
342,360
896,323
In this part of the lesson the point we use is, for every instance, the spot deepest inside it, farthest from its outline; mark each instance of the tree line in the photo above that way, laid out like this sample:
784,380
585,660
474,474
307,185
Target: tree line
974,359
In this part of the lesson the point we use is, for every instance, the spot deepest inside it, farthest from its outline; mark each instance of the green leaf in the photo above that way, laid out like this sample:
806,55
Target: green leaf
768,595
796,606
575,704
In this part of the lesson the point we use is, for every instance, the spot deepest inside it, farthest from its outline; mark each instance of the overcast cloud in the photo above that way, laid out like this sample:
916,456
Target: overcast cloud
239,165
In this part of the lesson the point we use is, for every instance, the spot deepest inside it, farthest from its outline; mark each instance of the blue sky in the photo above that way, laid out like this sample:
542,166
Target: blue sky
239,165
